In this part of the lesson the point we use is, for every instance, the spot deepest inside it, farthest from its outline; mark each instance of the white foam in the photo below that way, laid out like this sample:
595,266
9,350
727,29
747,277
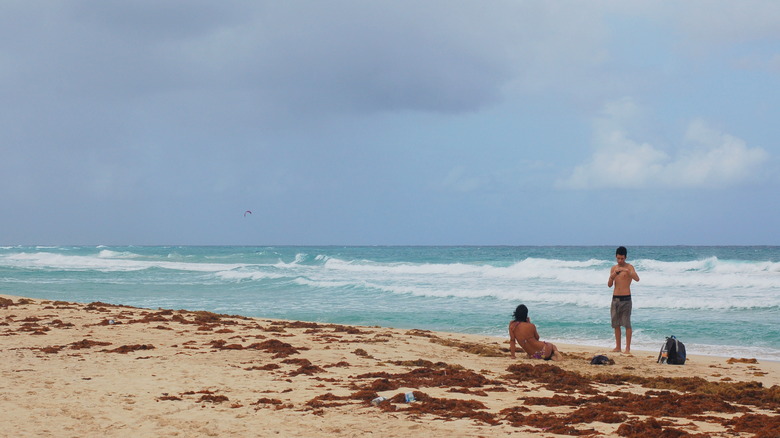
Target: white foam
701,284
323,284
108,254
105,261
240,275
559,282
299,258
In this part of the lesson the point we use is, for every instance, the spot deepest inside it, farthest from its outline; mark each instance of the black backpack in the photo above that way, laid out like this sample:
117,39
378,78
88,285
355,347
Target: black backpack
672,352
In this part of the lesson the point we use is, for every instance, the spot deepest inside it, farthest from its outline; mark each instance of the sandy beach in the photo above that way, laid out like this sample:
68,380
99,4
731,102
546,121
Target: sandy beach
99,369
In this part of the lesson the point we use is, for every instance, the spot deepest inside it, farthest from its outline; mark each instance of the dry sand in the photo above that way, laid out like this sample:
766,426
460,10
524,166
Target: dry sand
81,370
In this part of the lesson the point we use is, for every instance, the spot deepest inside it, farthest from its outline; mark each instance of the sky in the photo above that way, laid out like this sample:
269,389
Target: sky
346,122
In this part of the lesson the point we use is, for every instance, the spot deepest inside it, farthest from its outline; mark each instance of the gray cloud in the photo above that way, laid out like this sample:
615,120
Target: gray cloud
115,94
295,57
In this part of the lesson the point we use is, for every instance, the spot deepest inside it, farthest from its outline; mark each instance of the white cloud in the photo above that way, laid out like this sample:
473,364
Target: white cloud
706,158
714,158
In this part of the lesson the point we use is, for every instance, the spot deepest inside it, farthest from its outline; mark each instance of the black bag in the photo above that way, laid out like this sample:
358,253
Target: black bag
601,360
672,352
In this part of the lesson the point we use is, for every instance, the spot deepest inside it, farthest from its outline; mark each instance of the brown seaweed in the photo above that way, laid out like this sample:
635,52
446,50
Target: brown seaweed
651,428
152,317
763,426
52,349
268,402
446,408
279,348
222,344
554,377
749,393
555,400
350,330
307,369
362,353
124,349
212,398
57,323
741,360
549,423
320,401
479,392
298,361
297,324
364,394
86,343
268,367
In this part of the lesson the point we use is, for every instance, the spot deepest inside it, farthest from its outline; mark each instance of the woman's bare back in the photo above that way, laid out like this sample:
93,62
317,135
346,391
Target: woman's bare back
526,335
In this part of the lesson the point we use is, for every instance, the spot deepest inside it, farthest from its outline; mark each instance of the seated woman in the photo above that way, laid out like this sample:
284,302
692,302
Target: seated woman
523,332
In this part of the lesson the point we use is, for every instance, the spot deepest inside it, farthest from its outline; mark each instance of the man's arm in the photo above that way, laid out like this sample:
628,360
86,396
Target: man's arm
634,275
612,276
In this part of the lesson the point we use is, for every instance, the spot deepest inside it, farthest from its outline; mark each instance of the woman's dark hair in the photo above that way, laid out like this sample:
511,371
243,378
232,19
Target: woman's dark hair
521,313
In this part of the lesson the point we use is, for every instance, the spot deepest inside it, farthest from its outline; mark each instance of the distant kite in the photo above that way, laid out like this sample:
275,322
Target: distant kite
245,213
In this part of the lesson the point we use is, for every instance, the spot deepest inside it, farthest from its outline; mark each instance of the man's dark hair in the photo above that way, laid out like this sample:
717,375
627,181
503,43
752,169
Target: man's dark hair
621,251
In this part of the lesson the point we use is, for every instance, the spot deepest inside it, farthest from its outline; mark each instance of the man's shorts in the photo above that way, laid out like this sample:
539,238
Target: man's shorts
621,311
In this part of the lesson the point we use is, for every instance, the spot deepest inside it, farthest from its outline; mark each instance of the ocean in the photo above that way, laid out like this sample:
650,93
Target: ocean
719,300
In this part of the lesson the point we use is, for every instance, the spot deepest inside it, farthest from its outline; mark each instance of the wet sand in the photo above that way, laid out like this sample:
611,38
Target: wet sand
98,369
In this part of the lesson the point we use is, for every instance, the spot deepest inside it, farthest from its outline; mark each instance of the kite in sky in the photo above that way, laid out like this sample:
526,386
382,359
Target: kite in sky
245,213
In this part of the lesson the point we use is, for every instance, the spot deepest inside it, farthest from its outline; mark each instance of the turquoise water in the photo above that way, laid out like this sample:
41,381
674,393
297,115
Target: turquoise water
718,300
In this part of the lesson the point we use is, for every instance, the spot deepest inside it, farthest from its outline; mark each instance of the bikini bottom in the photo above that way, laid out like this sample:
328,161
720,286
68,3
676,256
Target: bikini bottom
540,354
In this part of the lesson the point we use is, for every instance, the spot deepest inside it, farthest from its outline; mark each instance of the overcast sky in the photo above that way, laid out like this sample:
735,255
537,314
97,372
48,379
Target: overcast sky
389,122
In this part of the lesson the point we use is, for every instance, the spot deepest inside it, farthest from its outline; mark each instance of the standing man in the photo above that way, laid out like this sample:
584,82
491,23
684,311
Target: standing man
621,276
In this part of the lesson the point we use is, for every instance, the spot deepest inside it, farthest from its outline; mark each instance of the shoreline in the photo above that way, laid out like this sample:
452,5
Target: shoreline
608,350
89,369
468,290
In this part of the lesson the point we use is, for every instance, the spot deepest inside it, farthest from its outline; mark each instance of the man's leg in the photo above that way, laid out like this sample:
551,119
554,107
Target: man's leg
613,315
628,340
628,308
617,339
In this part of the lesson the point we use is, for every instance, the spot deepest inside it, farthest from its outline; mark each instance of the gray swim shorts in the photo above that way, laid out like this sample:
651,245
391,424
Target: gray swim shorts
621,311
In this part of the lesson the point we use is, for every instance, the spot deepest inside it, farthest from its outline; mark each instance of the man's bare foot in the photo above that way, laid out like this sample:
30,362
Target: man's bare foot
616,350
628,352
